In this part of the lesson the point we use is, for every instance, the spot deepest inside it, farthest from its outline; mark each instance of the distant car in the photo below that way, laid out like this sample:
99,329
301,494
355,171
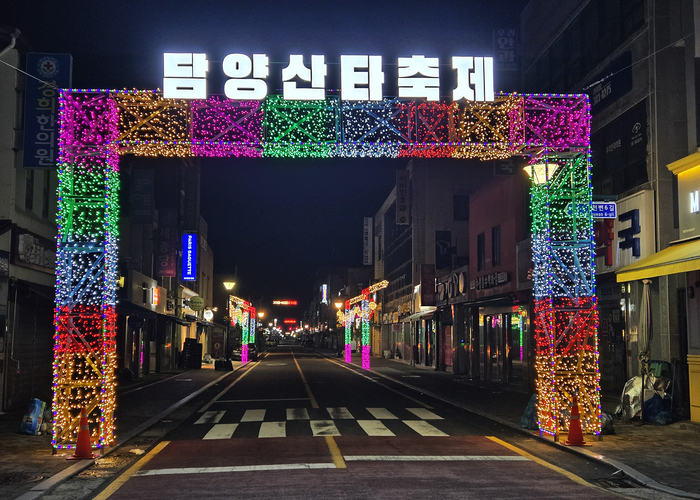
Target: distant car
252,353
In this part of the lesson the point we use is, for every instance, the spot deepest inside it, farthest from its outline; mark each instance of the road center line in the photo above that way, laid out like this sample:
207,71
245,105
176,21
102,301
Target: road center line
216,398
314,404
338,461
134,469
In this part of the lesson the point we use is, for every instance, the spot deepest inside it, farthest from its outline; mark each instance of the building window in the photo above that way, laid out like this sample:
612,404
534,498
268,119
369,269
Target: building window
481,252
460,206
46,195
496,246
29,191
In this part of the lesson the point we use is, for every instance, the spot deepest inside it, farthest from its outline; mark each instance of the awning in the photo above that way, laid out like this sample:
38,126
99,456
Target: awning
420,314
680,258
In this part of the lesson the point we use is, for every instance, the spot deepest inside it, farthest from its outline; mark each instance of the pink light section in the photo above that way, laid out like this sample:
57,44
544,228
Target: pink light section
365,357
244,354
227,128
348,354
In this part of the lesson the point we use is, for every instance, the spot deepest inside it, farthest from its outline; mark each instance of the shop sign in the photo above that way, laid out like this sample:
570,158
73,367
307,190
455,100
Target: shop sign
367,238
167,243
505,46
491,280
33,251
623,241
189,257
689,202
361,77
48,73
402,208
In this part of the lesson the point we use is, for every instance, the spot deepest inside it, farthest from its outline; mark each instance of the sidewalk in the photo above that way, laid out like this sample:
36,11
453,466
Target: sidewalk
662,457
27,463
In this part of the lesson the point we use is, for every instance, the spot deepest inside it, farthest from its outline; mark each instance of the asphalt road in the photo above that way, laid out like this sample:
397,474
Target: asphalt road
297,425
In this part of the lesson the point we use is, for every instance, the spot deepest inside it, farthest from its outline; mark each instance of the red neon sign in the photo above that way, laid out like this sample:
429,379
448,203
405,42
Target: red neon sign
290,322
284,302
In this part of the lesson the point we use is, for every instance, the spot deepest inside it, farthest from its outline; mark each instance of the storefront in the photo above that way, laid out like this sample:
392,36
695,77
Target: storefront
672,275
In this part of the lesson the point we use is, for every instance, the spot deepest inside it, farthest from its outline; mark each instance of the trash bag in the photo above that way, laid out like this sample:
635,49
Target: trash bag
31,423
606,424
529,418
657,410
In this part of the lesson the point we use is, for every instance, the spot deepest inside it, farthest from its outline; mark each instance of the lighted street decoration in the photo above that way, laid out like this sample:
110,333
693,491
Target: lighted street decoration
284,302
242,313
99,125
361,307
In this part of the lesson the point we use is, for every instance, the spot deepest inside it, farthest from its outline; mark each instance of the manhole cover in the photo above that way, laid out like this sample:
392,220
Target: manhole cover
616,483
19,477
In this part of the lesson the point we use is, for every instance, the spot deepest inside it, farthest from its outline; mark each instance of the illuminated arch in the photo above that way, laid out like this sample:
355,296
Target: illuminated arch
97,126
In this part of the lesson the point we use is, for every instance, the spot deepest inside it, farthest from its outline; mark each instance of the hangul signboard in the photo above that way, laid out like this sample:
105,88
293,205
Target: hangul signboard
403,210
51,72
167,243
367,242
505,47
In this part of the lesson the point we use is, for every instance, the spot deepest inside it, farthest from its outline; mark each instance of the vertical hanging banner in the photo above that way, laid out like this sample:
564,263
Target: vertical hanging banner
505,49
189,257
142,204
367,236
41,107
167,243
402,209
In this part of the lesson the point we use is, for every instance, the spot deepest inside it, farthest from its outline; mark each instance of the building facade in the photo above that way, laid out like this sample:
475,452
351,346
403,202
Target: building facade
638,61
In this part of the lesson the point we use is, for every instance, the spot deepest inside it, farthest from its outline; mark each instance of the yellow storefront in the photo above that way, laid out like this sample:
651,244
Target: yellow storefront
682,256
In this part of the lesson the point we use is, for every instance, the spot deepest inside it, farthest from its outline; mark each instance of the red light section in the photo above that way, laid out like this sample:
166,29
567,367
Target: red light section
290,322
284,302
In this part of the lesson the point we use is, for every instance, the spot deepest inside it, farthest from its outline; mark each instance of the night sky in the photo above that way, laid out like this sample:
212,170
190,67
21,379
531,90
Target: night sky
275,220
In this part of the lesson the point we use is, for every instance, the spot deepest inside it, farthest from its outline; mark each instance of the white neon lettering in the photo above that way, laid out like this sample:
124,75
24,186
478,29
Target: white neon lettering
184,75
694,202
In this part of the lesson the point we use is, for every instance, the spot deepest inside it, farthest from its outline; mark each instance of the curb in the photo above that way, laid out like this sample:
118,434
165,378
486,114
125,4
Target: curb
80,466
631,472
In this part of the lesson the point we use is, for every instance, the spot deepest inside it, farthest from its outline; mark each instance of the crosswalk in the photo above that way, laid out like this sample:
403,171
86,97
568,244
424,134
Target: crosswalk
288,422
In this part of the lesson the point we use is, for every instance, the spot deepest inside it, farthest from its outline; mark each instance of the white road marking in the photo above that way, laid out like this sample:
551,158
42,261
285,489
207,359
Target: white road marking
382,413
324,428
424,428
233,468
273,430
424,414
221,431
339,413
257,400
253,416
432,458
210,417
375,428
297,414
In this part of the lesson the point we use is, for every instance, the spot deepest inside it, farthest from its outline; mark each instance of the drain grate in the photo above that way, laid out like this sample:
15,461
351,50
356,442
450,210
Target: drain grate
19,477
616,483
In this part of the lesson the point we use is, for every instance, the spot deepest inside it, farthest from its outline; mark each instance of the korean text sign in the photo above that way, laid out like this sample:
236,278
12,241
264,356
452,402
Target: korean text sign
41,107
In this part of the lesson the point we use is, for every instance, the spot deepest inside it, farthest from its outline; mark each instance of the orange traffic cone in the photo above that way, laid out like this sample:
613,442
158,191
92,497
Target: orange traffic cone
575,434
83,449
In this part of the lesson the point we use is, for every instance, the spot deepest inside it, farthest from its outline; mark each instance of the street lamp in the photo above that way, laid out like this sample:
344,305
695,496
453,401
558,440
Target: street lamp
228,285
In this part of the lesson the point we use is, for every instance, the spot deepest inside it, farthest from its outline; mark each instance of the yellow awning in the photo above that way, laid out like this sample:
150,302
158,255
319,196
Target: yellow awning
680,258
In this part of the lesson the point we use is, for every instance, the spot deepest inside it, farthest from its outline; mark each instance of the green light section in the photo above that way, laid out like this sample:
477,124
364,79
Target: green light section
300,129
